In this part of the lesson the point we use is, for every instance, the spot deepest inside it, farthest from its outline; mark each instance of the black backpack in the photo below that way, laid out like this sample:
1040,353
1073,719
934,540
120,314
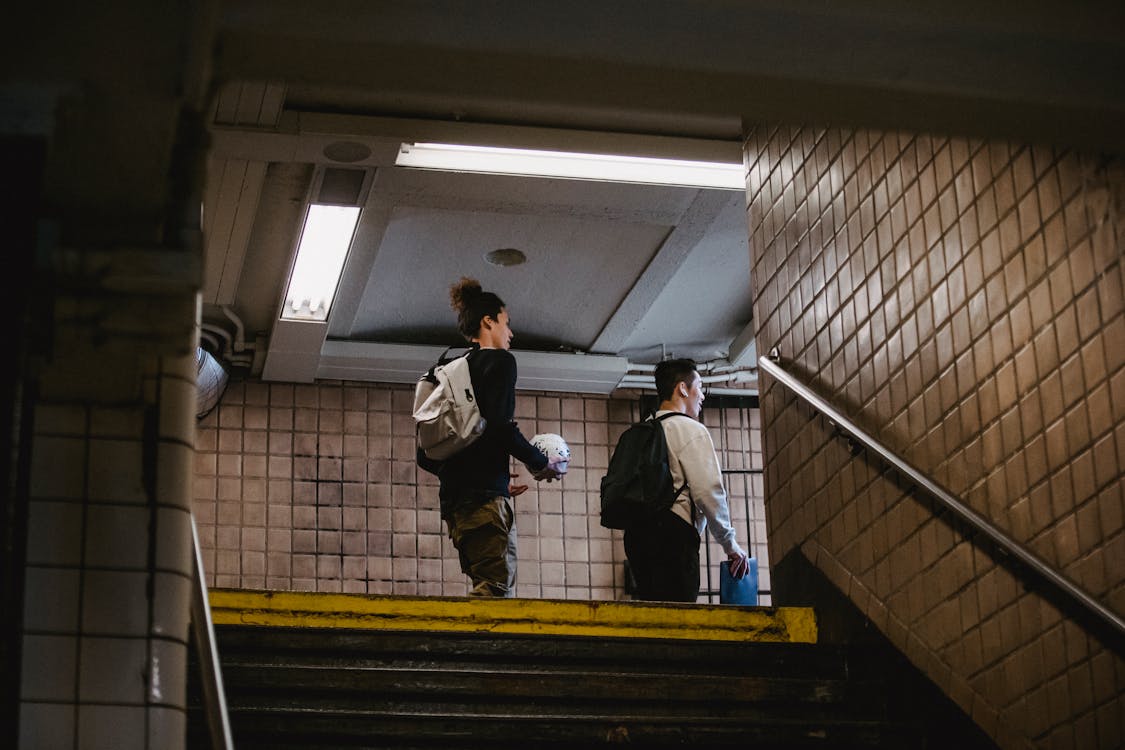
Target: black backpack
638,484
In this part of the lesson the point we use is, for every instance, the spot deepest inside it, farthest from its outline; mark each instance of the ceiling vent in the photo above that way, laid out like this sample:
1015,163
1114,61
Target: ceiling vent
347,151
505,256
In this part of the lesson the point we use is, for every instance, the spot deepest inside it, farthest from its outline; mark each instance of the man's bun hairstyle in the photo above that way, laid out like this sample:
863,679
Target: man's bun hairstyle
472,305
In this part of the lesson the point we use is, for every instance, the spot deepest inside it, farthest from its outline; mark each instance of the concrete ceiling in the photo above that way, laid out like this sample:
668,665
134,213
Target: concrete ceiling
629,272
632,272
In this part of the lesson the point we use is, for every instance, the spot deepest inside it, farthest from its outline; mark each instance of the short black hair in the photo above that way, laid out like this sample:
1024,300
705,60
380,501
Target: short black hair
673,371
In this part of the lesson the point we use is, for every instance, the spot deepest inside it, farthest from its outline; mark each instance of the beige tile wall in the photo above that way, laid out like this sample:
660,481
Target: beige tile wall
108,574
315,488
963,301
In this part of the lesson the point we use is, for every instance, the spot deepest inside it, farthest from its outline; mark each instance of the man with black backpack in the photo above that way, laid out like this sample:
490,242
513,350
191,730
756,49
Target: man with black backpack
663,517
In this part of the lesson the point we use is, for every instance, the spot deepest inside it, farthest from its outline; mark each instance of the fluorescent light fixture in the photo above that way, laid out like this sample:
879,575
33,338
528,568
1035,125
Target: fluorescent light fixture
603,167
320,260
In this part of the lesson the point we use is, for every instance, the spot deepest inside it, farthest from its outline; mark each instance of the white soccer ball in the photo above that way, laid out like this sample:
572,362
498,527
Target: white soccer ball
554,447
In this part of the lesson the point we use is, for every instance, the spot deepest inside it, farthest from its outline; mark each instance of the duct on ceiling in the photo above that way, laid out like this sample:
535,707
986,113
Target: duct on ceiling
210,382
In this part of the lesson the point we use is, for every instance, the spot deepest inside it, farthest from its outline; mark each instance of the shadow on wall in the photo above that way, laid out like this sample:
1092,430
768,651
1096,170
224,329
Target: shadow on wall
913,699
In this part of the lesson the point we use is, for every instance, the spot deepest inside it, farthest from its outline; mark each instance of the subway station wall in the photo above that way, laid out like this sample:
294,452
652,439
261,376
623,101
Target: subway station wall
315,488
962,300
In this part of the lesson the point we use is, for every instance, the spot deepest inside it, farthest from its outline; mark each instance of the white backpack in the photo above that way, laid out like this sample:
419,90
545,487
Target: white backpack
446,414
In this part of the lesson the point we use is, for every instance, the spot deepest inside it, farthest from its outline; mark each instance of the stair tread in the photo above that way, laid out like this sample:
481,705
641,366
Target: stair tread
481,715
343,688
244,645
653,671
531,683
347,721
707,731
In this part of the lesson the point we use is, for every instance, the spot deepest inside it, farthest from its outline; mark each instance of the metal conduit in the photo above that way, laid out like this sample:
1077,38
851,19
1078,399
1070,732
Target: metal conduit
770,364
210,673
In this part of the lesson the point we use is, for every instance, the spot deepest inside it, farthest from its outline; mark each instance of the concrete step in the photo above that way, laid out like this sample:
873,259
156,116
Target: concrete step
320,671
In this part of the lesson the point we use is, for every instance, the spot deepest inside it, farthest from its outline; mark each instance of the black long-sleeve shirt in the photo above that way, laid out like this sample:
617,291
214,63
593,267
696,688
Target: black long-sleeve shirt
481,470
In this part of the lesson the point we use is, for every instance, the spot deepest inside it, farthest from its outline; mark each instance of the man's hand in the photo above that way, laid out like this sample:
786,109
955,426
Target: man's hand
550,472
739,564
516,489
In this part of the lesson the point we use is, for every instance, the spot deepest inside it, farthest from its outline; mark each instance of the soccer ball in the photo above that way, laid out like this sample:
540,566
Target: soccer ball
554,447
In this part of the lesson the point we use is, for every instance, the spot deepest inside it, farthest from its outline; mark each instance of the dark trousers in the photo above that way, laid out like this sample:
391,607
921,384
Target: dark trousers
664,558
485,538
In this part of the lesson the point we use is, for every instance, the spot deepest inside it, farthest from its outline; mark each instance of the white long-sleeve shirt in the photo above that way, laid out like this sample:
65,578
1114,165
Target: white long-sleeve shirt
691,458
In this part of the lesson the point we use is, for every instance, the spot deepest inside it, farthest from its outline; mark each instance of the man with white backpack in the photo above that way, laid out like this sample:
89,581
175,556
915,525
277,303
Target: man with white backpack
475,496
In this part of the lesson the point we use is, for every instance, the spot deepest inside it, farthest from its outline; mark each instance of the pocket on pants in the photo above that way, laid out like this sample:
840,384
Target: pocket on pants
497,512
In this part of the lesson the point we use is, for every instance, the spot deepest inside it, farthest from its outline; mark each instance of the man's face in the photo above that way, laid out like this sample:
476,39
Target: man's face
694,396
502,331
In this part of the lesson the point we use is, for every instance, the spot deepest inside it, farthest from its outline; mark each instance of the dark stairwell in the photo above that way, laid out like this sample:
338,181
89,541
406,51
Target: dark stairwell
316,687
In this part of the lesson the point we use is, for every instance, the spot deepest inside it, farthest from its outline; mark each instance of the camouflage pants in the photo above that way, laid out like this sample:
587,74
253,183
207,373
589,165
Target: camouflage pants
485,538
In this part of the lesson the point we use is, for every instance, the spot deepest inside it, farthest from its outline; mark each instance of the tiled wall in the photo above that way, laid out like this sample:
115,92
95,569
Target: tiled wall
105,362
315,488
108,573
963,301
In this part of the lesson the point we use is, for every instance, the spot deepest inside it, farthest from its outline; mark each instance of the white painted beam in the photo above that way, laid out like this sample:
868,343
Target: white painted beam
294,351
230,206
405,363
743,350
683,238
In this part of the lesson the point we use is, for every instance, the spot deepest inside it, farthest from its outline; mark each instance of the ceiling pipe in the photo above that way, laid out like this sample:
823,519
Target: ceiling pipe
710,391
709,372
641,382
706,369
211,339
240,344
213,331
639,378
227,348
734,376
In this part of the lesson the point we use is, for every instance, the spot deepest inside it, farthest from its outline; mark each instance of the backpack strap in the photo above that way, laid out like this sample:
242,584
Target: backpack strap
444,359
675,497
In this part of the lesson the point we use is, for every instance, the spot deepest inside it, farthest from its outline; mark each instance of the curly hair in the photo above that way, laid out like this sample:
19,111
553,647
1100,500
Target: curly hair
473,304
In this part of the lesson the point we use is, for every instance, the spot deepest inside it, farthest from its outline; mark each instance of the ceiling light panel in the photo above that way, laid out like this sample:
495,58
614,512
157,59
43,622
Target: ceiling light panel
570,165
325,239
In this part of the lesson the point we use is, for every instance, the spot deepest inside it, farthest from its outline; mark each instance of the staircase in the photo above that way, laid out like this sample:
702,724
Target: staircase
383,687
303,688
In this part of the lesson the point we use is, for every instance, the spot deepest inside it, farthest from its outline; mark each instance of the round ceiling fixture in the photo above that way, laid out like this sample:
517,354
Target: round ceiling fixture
505,256
347,151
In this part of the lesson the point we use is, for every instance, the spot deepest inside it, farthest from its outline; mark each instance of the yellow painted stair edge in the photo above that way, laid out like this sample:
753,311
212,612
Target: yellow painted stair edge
529,616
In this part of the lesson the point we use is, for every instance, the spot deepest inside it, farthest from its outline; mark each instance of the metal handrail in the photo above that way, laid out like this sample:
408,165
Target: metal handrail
1105,615
210,673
